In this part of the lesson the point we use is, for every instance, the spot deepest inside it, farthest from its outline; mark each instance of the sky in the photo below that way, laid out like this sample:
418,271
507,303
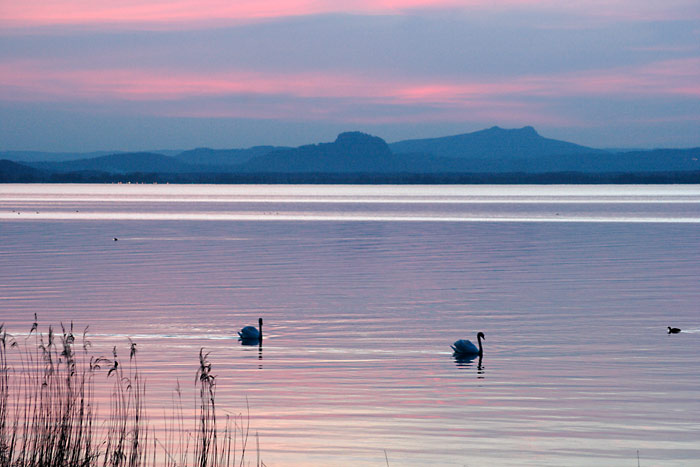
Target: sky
88,75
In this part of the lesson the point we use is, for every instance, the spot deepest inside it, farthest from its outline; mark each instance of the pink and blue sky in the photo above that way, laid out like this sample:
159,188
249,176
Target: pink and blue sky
82,75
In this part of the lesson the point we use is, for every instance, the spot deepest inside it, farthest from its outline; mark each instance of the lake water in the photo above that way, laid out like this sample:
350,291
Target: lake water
364,288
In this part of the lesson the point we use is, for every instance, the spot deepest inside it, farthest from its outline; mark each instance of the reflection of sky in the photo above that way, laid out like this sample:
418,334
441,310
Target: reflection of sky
675,204
359,318
150,74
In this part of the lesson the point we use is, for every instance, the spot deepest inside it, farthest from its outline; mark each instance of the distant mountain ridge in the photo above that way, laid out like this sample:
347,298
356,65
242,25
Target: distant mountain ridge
224,157
41,156
119,163
494,143
14,172
352,151
491,151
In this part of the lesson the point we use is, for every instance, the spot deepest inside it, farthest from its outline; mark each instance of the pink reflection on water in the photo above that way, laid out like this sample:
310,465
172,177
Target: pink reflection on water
360,315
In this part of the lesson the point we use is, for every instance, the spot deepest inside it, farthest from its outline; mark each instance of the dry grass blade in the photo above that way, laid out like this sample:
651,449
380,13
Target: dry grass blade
48,416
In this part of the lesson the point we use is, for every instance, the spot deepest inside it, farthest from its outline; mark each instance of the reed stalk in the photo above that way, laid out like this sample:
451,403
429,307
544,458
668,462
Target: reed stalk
49,417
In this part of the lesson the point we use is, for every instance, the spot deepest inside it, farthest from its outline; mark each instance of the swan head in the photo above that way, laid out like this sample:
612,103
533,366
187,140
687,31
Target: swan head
481,336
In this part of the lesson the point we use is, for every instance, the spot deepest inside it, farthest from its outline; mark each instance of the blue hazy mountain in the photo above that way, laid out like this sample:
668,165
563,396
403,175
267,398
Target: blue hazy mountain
494,144
656,160
121,163
492,151
221,158
42,156
498,150
12,172
351,152
170,161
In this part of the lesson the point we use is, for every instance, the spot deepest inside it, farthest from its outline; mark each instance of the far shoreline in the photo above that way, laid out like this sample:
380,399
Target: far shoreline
310,178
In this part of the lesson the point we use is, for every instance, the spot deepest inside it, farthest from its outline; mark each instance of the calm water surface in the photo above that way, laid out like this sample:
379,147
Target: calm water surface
364,288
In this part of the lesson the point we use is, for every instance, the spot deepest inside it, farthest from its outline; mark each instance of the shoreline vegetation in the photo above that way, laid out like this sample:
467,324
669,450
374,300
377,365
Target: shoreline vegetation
49,410
521,178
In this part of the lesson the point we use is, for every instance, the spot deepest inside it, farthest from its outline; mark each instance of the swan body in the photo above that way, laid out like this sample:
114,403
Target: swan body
466,347
673,330
251,333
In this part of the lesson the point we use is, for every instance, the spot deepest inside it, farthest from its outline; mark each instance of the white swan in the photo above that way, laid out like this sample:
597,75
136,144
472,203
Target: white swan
251,333
465,346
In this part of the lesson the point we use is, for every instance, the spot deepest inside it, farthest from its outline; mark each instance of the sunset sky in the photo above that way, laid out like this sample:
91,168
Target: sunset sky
82,75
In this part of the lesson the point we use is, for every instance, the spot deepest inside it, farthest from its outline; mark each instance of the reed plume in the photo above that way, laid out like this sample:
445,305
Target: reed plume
49,417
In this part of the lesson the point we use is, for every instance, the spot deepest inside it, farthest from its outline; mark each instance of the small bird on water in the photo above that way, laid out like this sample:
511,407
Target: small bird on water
673,330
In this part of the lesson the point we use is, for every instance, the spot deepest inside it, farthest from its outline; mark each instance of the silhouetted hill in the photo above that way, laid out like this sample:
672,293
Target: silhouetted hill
494,144
43,156
670,160
659,160
351,152
12,172
39,156
224,157
494,154
121,163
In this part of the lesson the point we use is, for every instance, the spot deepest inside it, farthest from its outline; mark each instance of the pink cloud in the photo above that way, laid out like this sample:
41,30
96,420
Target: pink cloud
368,111
178,13
346,97
31,81
158,11
632,10
678,77
454,93
36,81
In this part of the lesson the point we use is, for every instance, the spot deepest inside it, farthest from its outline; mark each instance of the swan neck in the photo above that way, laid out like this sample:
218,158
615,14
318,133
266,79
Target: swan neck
260,323
481,350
